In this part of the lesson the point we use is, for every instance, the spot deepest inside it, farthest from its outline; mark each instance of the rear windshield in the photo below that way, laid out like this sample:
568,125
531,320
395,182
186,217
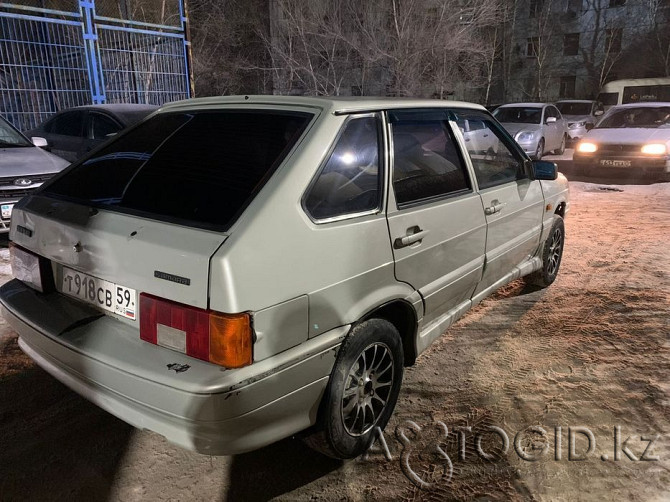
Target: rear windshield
199,169
519,115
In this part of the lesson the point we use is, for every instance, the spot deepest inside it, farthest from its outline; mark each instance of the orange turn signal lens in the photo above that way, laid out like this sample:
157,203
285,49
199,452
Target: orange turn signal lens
230,339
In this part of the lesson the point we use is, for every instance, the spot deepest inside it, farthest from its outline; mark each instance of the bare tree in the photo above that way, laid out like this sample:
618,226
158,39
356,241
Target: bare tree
603,42
401,47
228,54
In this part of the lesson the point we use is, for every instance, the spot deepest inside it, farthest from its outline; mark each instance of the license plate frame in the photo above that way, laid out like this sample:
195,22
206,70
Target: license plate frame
101,293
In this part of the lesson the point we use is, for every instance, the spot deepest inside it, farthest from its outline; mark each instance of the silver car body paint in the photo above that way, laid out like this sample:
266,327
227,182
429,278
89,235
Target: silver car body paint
305,283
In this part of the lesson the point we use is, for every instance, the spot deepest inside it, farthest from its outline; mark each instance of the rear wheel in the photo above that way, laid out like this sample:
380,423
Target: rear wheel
362,391
552,252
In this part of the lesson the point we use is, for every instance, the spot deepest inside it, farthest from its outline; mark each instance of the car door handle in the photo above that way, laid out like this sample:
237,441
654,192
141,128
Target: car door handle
486,135
495,207
417,235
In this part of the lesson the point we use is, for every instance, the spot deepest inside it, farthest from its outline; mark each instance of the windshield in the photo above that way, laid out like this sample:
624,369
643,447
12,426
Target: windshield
519,115
10,137
197,168
636,117
572,108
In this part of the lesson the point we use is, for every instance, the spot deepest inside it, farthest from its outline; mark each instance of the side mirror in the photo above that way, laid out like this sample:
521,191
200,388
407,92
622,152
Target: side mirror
598,113
550,120
39,142
589,126
544,170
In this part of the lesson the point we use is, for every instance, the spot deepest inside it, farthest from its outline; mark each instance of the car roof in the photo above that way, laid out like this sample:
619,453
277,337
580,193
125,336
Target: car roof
650,104
576,101
336,105
127,112
510,105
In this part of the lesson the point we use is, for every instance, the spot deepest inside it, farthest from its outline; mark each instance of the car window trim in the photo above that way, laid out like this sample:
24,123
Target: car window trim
381,170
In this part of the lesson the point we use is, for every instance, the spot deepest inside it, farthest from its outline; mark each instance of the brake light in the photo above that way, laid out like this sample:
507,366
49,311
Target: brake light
224,339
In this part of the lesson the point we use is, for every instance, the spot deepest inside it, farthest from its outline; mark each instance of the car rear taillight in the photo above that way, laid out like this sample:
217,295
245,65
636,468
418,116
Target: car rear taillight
224,339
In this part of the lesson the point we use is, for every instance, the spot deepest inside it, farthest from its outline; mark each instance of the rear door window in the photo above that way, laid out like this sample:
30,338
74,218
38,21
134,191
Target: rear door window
198,168
426,161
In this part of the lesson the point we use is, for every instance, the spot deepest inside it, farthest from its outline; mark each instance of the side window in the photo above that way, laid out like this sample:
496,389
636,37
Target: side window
556,113
67,124
350,181
102,125
494,159
426,160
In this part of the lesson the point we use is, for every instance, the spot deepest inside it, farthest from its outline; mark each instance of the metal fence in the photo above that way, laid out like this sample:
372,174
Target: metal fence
54,59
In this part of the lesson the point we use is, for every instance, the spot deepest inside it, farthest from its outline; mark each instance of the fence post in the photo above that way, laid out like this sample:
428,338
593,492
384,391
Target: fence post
96,83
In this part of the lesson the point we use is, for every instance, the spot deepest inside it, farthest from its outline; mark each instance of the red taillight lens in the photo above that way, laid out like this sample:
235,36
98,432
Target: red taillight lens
218,338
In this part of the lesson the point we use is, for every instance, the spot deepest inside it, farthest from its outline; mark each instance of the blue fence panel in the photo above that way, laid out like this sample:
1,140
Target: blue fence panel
55,59
42,68
142,66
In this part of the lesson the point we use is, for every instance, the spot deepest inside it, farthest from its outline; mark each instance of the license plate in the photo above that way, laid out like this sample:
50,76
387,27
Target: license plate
6,210
615,163
104,294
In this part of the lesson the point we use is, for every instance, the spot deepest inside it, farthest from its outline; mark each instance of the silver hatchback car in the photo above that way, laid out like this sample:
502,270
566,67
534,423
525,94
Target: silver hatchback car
232,271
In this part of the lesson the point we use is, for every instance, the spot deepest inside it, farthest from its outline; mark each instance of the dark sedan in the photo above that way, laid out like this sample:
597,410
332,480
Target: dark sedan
76,131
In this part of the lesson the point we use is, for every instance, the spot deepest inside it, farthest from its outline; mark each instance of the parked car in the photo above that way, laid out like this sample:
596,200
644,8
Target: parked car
76,131
235,270
581,115
538,127
24,166
629,139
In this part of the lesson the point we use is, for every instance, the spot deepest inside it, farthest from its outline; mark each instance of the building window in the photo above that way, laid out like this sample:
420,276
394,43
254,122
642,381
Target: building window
535,7
613,40
617,3
570,44
567,89
532,46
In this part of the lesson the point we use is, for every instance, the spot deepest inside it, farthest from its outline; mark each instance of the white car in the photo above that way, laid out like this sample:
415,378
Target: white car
537,127
631,139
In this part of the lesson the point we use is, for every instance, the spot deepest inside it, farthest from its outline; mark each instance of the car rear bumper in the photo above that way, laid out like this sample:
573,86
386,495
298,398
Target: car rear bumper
206,408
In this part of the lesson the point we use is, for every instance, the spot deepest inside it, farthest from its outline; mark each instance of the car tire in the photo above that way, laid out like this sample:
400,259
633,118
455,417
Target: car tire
552,253
561,150
539,151
362,391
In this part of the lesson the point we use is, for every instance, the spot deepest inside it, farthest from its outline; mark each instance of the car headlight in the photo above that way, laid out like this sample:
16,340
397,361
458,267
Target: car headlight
655,149
525,136
586,147
576,125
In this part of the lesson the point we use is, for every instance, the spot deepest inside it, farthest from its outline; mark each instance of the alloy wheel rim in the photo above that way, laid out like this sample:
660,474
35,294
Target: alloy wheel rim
555,251
367,389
